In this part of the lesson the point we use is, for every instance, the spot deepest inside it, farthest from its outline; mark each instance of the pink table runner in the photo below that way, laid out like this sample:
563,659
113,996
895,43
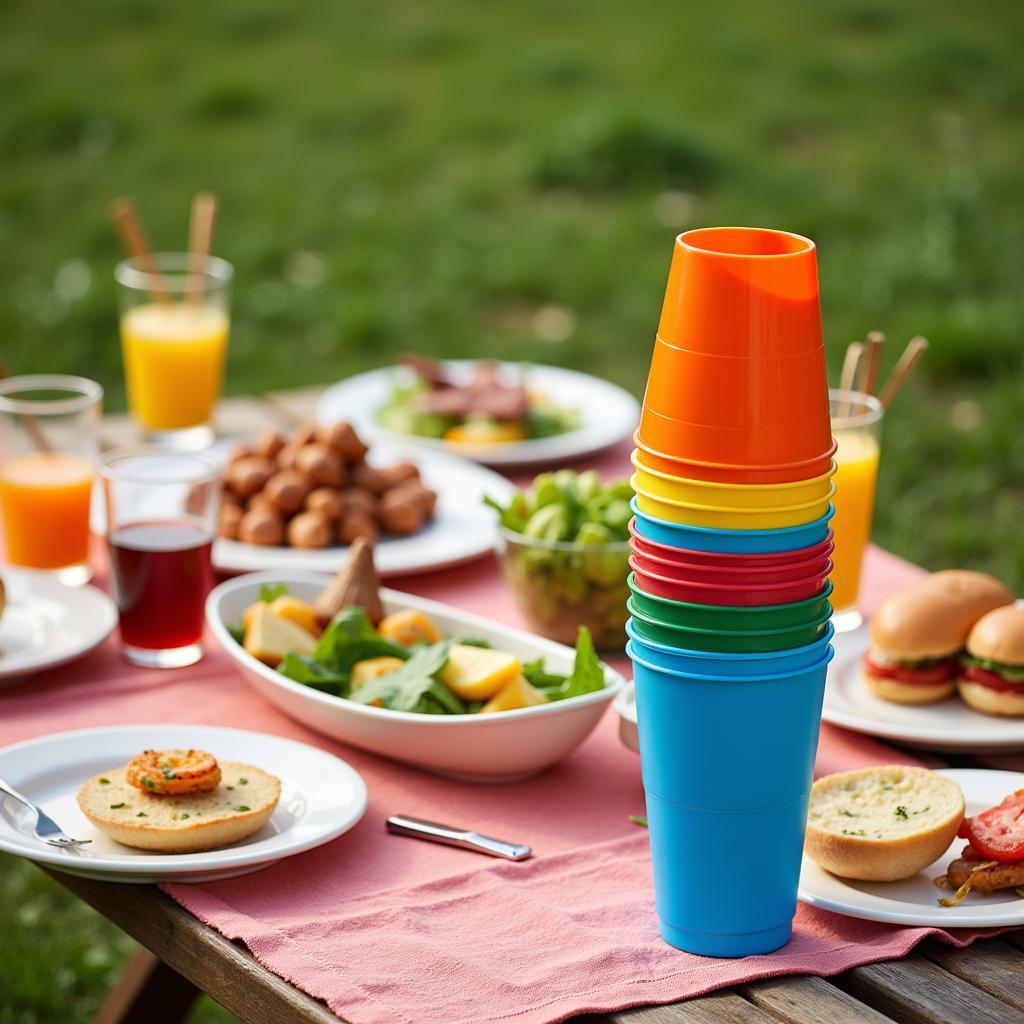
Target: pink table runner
388,930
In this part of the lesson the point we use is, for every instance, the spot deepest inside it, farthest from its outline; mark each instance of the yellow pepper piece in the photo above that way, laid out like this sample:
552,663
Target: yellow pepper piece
478,673
270,637
486,432
517,694
409,627
364,671
286,607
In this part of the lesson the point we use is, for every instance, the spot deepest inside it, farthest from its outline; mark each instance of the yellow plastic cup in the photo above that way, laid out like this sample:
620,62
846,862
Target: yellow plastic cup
717,518
734,496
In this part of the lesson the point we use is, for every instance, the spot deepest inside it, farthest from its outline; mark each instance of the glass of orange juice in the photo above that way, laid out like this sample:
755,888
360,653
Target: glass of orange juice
49,442
856,426
174,340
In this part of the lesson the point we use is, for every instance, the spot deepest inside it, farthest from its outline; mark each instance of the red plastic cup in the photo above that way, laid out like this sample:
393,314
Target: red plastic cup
742,292
738,576
735,596
728,560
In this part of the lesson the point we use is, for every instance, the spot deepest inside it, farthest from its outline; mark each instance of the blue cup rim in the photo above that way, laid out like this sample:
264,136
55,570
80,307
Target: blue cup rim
753,678
636,613
782,531
728,655
825,593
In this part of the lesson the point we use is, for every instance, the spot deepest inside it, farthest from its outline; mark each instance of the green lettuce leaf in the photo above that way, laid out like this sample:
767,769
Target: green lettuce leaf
314,673
413,686
272,591
1011,673
587,673
349,638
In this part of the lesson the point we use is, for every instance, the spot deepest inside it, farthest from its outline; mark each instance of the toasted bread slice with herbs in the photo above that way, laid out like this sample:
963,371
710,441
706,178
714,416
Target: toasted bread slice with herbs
241,805
883,823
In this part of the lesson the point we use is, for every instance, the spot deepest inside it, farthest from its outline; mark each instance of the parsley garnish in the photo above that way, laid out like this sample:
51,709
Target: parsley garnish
169,773
847,814
638,820
148,783
901,812
241,807
104,782
243,782
184,816
142,814
114,807
849,832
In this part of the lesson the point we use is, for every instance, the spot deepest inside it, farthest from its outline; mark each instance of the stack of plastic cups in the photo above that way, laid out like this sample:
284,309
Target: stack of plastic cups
730,632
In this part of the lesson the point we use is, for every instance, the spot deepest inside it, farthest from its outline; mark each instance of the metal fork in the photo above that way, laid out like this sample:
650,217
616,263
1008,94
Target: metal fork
45,828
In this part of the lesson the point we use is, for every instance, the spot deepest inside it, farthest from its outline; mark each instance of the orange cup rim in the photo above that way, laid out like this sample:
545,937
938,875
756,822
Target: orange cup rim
686,239
765,467
784,485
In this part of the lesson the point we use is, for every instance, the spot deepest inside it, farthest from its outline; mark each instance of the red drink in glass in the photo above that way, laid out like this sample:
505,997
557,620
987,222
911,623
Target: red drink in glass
161,572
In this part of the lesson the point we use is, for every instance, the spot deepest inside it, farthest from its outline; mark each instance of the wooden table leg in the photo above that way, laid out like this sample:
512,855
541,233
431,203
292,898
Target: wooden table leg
147,991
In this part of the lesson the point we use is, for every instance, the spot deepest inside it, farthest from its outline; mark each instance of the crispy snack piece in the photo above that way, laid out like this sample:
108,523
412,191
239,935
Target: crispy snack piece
172,772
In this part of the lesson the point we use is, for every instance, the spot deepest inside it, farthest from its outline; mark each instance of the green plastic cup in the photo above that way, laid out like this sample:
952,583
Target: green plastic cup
724,641
728,618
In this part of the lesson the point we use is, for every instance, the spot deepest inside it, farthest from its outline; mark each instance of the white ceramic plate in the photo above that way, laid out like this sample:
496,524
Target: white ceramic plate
915,901
46,623
950,725
500,747
462,528
607,412
321,797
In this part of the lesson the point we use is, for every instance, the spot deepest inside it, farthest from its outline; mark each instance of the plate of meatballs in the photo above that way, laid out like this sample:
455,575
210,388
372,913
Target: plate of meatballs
298,501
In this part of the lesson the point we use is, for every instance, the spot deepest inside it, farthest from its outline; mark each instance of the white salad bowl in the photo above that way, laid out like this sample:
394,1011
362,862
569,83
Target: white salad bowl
504,746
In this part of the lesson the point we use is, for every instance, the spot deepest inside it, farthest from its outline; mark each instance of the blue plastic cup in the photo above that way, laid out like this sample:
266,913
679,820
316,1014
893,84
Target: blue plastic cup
750,542
727,743
725,663
725,883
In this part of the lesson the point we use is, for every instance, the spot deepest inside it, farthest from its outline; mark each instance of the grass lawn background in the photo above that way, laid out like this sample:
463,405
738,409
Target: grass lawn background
506,180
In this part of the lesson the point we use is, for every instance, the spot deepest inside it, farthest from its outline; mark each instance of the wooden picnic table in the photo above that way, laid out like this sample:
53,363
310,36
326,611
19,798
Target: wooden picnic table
179,957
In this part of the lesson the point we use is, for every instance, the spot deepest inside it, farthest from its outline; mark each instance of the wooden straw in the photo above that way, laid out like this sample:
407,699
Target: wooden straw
851,361
126,221
873,362
916,348
200,239
28,422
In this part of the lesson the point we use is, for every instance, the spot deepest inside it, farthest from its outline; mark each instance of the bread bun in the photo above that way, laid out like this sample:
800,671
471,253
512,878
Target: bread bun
896,692
999,636
908,817
931,619
1005,703
182,824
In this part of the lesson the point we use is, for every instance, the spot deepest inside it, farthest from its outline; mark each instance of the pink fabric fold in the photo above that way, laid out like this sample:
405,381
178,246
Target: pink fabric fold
387,930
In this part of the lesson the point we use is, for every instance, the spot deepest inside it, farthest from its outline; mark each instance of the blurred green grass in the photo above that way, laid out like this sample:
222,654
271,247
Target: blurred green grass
506,180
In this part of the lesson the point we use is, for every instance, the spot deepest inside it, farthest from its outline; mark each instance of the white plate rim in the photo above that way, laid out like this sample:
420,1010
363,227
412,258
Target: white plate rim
596,435
963,916
1001,734
182,864
235,557
105,609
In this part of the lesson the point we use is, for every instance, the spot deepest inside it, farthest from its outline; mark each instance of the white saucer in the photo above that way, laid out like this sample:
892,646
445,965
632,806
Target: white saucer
915,901
321,797
47,623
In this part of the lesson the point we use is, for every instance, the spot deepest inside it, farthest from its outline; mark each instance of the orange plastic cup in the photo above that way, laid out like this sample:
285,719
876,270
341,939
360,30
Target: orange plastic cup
742,292
732,474
739,393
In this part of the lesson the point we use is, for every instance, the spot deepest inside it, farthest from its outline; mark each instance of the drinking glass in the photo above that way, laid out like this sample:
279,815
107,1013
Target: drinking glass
49,441
174,340
161,515
856,425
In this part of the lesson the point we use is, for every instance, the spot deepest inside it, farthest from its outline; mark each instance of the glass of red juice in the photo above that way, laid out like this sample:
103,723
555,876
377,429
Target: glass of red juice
161,513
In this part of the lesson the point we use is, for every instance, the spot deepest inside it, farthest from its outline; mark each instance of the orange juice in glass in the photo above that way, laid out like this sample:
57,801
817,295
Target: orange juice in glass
856,423
174,340
49,442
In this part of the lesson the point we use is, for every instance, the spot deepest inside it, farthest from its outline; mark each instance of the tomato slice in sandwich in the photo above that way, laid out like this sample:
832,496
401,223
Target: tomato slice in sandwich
924,675
998,833
993,680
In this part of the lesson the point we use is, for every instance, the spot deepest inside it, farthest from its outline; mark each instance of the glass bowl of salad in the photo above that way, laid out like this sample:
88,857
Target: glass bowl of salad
563,552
